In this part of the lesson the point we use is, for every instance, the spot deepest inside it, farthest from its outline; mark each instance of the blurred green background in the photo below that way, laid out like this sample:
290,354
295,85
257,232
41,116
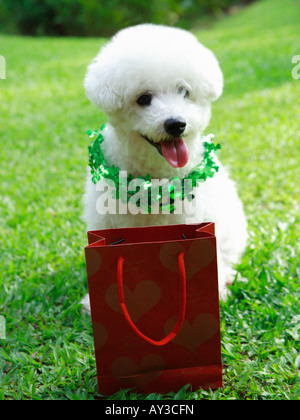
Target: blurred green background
103,17
44,114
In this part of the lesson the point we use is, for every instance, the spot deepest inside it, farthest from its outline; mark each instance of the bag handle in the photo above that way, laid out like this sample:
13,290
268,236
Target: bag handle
182,308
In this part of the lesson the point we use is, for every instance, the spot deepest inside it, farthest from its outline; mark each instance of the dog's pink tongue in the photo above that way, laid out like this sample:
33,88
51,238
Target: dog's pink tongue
175,152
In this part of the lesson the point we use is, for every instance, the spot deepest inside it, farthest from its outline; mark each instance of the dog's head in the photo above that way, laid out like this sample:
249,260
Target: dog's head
159,83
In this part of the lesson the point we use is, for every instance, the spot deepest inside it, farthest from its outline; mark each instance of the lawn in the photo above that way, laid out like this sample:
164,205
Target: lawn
48,350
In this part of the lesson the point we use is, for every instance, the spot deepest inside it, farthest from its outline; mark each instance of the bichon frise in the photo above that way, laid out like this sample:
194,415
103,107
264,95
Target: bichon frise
156,85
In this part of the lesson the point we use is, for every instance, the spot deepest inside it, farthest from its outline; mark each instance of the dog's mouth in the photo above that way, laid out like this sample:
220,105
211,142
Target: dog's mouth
175,151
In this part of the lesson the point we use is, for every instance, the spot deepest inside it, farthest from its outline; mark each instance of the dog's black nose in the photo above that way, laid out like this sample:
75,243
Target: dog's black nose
175,126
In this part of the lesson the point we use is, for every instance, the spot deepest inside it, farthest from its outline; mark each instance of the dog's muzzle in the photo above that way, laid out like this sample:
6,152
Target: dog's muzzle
174,150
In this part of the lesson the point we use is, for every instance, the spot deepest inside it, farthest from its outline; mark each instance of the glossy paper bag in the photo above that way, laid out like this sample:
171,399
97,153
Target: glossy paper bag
155,308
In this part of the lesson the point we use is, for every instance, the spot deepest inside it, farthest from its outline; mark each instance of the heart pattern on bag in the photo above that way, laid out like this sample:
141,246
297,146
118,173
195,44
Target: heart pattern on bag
145,296
191,336
100,335
93,262
197,256
126,370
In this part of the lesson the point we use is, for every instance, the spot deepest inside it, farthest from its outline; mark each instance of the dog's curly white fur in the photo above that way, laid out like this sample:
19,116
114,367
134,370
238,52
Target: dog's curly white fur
148,75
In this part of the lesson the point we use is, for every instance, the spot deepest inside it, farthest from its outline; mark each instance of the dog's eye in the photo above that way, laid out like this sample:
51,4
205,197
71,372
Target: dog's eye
184,92
144,100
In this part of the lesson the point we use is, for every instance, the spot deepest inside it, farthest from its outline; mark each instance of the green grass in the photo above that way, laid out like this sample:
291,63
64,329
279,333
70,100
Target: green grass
48,352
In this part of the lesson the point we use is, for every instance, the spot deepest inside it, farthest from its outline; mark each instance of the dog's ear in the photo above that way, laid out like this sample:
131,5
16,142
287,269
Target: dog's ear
101,85
209,74
214,88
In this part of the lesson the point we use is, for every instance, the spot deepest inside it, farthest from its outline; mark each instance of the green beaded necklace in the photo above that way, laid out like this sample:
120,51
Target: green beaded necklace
100,169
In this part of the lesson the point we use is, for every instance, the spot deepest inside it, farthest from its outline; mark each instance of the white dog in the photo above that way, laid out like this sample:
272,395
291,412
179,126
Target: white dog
156,85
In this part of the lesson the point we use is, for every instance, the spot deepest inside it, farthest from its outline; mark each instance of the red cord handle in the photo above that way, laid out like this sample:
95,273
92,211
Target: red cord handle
182,308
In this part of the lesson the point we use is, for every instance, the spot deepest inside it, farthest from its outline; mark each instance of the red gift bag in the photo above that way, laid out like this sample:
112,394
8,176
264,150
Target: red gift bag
155,308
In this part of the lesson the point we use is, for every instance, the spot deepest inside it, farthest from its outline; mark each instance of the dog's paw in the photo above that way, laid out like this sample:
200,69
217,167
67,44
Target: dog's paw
85,302
223,293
